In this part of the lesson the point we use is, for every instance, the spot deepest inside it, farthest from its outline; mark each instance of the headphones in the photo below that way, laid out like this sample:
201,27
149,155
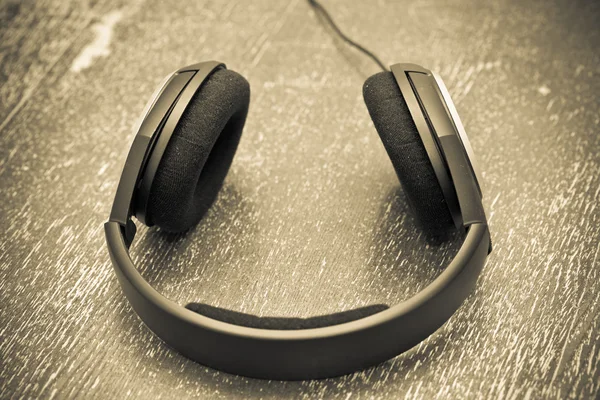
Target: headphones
184,146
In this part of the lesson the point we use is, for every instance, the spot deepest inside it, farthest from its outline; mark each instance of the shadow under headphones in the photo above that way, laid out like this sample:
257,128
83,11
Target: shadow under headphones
184,146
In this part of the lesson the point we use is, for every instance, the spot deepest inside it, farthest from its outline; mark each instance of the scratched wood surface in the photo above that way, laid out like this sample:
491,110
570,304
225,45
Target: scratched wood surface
311,218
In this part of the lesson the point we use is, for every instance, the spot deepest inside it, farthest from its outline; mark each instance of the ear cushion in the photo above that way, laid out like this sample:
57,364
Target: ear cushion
405,148
199,152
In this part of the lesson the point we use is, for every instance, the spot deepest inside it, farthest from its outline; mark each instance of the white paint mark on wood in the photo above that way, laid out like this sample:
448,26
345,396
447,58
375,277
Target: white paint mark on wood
544,90
100,46
103,169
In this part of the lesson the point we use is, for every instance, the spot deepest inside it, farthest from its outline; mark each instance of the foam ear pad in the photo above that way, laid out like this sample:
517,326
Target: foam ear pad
199,152
405,148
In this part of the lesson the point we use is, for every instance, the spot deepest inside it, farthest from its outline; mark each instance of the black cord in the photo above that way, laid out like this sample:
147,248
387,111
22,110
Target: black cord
318,7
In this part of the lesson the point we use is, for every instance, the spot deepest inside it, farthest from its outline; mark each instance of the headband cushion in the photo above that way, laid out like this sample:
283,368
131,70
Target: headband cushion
284,323
405,148
199,152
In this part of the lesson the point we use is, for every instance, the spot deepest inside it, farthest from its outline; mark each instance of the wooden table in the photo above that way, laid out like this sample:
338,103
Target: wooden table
311,218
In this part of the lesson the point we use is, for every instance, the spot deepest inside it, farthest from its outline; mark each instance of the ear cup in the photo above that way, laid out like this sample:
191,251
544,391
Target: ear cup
199,152
405,148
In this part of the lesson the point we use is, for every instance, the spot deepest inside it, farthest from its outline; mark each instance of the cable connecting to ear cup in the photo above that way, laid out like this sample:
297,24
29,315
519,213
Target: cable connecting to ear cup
401,140
319,8
176,165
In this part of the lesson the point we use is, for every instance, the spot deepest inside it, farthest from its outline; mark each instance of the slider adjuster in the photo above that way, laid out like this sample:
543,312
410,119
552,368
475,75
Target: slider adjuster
129,231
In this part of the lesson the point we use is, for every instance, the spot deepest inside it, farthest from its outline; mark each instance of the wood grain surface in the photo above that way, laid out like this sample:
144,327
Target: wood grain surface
311,218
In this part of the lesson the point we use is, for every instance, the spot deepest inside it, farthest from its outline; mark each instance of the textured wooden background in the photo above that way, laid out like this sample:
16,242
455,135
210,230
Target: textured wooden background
311,218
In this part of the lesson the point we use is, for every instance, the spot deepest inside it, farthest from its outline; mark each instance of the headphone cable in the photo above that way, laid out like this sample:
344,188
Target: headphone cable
319,8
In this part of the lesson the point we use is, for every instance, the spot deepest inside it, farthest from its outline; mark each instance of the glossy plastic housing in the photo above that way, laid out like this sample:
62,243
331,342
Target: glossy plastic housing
443,134
308,353
154,130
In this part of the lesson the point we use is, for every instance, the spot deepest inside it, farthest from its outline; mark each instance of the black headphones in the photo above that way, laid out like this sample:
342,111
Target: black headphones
185,143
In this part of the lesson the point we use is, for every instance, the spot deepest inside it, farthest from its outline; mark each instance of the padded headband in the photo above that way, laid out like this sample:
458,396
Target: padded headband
284,323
